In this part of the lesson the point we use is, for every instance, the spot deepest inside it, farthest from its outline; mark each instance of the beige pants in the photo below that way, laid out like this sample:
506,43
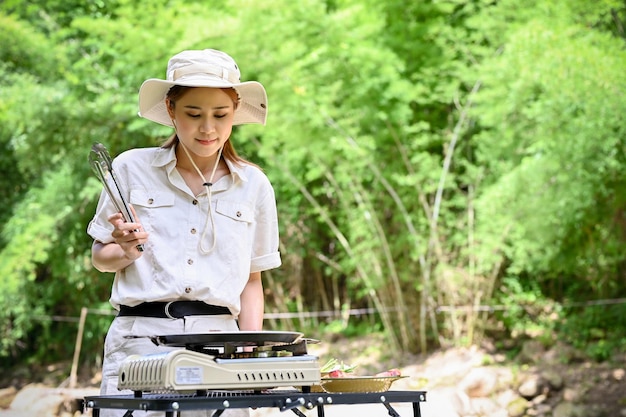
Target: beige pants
117,348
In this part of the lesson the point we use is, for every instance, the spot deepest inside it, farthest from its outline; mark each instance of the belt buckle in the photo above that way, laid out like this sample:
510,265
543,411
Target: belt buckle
167,310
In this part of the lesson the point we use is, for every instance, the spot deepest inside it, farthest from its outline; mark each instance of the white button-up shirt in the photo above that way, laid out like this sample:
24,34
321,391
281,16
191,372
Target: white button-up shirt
172,267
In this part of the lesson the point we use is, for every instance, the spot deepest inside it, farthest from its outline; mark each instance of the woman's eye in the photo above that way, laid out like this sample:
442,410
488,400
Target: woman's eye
219,116
193,116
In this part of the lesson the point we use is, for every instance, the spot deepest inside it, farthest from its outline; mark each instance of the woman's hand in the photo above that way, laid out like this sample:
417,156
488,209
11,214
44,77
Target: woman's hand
128,235
123,251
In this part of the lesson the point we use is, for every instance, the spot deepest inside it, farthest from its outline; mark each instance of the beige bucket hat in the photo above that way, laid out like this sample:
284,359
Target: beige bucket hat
203,68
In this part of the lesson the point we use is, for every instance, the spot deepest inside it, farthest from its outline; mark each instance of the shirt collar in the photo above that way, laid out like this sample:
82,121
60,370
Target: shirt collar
166,157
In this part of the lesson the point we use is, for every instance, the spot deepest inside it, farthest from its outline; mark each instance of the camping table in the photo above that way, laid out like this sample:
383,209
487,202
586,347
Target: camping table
173,404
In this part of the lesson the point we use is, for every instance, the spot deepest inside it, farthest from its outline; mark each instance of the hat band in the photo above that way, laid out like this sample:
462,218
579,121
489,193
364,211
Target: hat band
221,72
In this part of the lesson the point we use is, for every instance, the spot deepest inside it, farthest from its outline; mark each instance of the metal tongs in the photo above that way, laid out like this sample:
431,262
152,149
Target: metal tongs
102,166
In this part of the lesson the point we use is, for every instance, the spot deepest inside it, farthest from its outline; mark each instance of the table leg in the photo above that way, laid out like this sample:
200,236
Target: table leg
392,412
298,412
416,410
320,410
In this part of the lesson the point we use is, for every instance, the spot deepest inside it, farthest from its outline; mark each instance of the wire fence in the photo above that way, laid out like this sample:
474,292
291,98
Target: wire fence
358,312
489,308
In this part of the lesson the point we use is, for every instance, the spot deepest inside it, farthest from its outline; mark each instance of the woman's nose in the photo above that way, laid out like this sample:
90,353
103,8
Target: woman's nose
207,126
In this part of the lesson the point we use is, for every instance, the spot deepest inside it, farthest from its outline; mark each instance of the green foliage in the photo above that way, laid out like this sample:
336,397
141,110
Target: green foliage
358,327
424,154
585,327
525,312
27,61
26,51
567,146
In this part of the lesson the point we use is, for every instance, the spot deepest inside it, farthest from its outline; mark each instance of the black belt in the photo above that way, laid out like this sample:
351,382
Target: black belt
173,309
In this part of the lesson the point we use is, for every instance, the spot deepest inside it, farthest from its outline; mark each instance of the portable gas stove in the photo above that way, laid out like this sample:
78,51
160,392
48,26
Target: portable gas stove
222,361
220,371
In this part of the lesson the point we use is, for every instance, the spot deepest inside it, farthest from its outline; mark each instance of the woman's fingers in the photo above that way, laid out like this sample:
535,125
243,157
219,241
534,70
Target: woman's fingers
130,236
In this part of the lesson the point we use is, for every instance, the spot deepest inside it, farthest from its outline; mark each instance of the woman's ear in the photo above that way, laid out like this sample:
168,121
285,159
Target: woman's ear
170,107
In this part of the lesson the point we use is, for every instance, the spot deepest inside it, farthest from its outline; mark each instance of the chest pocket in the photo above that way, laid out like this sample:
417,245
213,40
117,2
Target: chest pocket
150,199
234,210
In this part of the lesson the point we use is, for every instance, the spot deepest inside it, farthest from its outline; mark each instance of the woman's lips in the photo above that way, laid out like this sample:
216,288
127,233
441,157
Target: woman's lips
206,141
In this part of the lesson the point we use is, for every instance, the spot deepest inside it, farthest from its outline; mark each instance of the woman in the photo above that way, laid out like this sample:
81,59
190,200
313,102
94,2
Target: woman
206,217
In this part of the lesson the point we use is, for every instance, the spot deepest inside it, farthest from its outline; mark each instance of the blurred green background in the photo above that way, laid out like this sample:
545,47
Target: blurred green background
445,170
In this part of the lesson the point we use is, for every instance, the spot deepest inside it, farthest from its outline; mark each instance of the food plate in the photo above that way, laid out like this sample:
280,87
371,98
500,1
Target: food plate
218,339
359,383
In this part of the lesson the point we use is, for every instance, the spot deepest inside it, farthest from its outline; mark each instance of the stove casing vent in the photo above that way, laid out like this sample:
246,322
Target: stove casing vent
187,370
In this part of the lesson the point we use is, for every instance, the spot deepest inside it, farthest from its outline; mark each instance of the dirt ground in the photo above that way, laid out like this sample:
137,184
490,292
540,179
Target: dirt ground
597,388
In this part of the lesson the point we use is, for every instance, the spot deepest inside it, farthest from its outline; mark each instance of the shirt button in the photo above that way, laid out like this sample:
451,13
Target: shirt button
188,290
195,202
190,261
193,231
238,214
150,200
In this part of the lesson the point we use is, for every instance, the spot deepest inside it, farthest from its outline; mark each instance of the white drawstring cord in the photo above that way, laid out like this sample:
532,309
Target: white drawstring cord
207,185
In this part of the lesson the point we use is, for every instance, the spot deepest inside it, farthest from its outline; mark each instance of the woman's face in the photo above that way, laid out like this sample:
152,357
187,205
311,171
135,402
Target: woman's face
203,118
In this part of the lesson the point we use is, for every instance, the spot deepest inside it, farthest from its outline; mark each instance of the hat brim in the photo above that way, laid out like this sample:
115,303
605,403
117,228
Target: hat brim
252,106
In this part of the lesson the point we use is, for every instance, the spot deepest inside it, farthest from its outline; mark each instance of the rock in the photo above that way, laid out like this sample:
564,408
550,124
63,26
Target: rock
505,379
618,374
479,382
561,353
439,402
11,413
42,401
517,407
38,400
554,379
461,402
531,387
540,410
503,398
486,407
6,396
570,394
568,409
532,352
